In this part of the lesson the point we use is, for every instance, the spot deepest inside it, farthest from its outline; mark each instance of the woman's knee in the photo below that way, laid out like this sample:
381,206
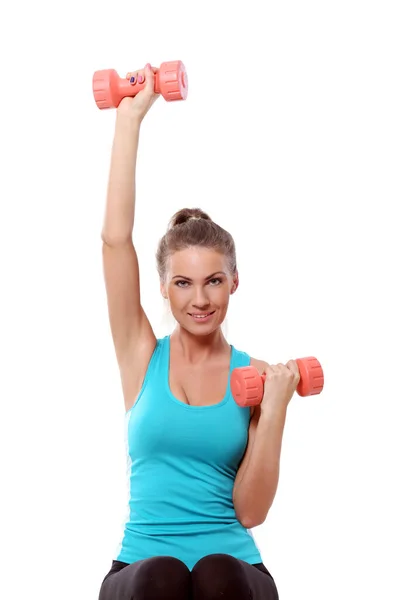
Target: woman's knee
161,577
219,574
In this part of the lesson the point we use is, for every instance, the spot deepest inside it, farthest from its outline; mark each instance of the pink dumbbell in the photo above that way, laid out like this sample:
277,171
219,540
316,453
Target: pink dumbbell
170,80
247,385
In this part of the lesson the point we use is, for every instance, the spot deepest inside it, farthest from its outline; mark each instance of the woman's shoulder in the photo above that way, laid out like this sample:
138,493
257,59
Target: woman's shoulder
254,362
259,364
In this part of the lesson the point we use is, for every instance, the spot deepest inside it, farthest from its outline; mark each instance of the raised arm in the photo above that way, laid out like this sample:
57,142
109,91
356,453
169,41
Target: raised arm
132,334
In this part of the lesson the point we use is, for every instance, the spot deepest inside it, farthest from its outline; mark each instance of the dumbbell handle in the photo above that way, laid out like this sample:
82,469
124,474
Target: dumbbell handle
247,385
170,81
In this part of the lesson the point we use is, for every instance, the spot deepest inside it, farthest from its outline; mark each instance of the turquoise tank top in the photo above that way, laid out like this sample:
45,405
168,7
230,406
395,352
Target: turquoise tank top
181,466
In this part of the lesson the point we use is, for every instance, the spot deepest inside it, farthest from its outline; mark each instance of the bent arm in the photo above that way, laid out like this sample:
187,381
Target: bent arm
255,492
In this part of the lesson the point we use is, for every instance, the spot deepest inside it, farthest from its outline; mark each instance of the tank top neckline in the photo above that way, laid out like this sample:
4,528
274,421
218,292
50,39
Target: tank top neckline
190,406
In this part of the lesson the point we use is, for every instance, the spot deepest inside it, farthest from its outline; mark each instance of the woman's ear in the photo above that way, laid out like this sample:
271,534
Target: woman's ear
163,292
235,282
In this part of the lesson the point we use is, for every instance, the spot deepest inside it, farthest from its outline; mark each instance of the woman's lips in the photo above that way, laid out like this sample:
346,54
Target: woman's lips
201,319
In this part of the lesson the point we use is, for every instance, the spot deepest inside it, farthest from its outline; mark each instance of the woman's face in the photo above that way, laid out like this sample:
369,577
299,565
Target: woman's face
197,283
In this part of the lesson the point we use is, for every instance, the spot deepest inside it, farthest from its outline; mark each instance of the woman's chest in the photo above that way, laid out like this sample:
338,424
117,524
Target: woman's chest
199,386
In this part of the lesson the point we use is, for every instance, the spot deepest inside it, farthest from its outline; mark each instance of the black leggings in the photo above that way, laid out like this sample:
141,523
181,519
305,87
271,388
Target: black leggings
167,578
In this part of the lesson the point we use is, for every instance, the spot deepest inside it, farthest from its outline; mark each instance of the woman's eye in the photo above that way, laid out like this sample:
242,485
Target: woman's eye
181,281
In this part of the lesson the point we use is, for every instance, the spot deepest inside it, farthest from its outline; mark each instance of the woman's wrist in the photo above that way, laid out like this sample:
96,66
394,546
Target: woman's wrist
127,120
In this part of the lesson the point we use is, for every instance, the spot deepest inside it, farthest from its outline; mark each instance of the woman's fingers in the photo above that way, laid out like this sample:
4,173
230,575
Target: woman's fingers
139,76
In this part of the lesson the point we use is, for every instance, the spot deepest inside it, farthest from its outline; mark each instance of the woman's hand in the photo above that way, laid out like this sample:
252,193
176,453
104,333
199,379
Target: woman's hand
139,105
280,384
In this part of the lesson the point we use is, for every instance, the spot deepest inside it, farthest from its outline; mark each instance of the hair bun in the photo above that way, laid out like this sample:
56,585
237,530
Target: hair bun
185,214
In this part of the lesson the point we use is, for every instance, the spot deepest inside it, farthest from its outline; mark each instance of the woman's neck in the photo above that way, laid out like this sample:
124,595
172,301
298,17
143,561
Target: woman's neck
199,348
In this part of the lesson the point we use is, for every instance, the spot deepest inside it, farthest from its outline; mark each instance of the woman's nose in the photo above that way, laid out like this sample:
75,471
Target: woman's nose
200,297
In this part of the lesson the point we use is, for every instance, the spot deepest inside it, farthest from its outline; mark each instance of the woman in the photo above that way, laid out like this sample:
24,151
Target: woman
189,443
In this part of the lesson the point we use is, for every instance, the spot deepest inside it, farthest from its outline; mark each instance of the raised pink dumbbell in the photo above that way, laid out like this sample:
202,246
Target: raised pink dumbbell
170,80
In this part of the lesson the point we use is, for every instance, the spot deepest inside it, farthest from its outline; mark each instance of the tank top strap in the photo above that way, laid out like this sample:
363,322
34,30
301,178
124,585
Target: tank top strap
239,359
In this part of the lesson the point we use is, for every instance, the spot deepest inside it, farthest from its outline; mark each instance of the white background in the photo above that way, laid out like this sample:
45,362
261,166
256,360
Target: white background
289,139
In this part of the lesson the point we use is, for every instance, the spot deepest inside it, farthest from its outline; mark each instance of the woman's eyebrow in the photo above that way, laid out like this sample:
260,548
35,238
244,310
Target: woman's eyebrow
209,276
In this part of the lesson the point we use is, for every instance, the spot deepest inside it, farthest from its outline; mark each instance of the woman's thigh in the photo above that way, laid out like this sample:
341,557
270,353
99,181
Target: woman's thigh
160,577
